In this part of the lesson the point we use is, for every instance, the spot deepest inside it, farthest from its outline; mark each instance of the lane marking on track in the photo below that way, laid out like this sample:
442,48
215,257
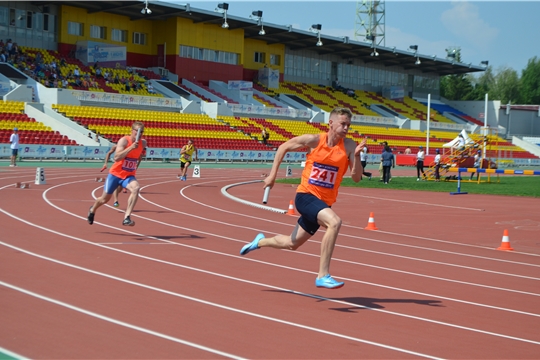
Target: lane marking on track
319,298
413,202
280,266
182,192
119,322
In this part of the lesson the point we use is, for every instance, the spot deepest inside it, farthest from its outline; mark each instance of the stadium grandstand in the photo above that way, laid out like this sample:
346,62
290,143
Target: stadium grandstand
75,75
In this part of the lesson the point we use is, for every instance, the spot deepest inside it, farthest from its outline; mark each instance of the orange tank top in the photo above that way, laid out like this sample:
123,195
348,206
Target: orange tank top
324,170
128,165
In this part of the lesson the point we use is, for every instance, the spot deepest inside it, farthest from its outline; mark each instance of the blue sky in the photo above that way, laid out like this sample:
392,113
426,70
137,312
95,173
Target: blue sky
501,32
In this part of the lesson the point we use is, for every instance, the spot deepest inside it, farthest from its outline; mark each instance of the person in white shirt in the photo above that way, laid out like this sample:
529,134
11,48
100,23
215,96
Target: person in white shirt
14,140
420,163
477,163
437,165
363,160
461,143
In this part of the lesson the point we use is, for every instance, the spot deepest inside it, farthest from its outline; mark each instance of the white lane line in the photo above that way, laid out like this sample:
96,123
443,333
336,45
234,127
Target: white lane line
340,260
274,265
414,202
12,354
280,266
119,322
358,263
182,192
320,298
201,301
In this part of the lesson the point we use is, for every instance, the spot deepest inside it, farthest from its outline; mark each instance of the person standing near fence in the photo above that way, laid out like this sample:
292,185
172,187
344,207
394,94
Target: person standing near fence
363,160
14,145
387,161
420,163
437,165
477,163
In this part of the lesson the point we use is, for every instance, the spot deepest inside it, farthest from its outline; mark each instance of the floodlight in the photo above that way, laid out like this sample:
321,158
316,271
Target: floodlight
146,10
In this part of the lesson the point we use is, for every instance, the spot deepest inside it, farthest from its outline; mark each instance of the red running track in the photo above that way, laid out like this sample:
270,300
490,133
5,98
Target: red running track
429,284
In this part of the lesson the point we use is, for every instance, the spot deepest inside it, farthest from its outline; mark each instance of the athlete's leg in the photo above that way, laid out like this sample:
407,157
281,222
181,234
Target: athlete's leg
134,188
332,222
184,169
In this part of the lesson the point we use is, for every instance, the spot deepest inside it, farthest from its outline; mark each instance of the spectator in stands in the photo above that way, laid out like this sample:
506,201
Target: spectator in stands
97,139
150,88
387,161
331,154
363,160
62,62
477,164
265,136
129,69
14,141
127,157
76,72
90,135
408,151
186,156
437,165
420,163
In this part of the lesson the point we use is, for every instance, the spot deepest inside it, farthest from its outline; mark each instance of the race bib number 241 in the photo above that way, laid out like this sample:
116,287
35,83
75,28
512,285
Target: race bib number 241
323,175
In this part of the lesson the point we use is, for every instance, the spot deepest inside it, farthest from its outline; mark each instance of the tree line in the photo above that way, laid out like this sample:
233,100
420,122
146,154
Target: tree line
505,84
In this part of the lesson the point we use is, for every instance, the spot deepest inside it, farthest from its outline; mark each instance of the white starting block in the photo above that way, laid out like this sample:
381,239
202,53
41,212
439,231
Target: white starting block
40,176
196,171
99,179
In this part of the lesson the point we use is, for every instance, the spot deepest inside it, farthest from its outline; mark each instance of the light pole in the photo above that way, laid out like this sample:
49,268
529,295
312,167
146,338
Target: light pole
508,125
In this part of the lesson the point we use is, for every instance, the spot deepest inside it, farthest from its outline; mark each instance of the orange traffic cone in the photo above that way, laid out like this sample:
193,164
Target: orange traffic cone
505,244
291,209
371,223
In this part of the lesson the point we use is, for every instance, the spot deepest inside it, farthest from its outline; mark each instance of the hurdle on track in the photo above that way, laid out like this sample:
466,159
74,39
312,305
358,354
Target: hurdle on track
488,171
495,171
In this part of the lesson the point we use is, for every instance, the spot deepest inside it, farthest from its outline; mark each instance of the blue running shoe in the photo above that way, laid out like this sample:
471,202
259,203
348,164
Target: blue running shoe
328,282
254,245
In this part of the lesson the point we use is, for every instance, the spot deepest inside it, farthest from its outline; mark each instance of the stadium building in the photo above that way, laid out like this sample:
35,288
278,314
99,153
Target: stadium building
79,73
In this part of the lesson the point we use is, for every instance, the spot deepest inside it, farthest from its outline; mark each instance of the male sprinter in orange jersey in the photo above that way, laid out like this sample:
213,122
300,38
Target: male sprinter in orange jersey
122,173
327,161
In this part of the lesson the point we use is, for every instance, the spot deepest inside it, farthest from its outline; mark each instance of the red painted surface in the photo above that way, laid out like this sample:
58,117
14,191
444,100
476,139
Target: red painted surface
203,71
434,289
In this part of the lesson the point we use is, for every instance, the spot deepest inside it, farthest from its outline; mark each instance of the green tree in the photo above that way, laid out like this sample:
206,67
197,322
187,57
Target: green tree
457,87
482,84
506,86
530,82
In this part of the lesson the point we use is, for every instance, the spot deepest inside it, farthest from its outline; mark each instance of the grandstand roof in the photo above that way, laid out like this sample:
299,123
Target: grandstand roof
293,39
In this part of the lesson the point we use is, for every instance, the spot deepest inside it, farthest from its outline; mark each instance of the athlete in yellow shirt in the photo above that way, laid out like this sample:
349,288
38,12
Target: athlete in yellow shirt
186,156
